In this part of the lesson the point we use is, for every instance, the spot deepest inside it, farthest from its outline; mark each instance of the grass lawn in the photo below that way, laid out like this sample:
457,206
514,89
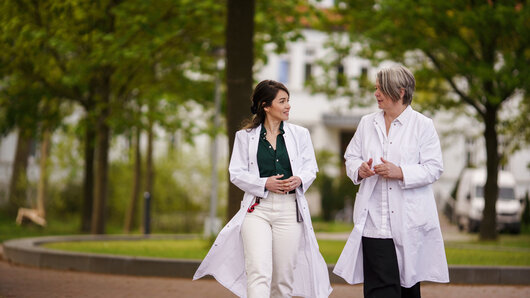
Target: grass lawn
174,249
55,227
509,251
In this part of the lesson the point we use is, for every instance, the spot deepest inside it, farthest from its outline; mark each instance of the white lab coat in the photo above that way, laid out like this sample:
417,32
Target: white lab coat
226,261
414,220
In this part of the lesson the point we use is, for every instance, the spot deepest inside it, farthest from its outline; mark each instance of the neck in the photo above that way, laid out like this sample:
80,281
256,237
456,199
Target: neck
272,126
395,111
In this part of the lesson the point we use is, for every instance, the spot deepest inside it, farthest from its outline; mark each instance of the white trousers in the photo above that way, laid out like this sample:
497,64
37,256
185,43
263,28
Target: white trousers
271,239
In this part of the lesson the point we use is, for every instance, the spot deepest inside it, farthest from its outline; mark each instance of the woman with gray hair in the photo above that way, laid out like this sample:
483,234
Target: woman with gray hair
395,156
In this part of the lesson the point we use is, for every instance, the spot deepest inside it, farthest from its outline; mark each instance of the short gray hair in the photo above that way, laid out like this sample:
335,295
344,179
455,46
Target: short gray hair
392,79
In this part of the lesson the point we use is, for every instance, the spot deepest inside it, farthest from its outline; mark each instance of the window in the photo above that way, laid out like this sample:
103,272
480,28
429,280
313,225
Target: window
307,75
283,76
341,79
505,193
470,149
363,78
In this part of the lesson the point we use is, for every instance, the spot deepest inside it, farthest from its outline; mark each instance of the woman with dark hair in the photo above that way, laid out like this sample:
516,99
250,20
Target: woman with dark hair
269,248
395,156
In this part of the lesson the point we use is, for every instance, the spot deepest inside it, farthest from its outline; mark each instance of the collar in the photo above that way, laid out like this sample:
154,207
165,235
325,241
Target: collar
402,118
405,115
263,131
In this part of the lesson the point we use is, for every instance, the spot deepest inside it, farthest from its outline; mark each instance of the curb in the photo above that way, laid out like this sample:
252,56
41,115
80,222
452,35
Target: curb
28,251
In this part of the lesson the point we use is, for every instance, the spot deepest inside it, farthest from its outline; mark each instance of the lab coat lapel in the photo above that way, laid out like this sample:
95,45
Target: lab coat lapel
253,147
290,144
379,123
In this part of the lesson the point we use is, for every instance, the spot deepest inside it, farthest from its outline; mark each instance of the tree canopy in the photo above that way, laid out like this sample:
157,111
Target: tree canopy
472,54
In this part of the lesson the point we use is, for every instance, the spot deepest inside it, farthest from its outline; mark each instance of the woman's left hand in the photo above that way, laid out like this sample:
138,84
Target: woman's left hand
388,170
293,182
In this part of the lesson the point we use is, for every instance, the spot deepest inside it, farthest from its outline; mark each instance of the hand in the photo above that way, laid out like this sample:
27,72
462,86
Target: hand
276,185
388,170
292,183
365,170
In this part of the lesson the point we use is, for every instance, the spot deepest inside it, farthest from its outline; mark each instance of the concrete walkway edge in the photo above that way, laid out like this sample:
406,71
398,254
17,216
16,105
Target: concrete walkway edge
29,252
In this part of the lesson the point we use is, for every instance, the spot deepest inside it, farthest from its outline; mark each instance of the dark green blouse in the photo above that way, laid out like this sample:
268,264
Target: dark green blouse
273,162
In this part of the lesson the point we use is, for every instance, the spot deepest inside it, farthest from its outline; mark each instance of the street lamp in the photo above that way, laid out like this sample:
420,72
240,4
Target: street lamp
212,224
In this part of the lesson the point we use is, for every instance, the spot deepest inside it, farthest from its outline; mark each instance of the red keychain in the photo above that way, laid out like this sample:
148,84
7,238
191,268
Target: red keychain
256,203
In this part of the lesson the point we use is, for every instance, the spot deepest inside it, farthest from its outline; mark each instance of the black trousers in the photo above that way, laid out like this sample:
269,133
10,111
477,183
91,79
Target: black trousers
381,272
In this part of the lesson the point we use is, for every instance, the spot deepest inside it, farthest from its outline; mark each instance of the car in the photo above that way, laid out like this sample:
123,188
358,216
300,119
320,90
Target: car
469,201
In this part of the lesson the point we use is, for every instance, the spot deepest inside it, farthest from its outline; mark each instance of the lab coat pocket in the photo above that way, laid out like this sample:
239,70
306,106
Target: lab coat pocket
357,209
416,215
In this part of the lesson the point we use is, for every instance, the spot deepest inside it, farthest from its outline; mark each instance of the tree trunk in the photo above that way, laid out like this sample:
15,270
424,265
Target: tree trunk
239,62
88,179
131,211
102,152
488,226
43,179
18,183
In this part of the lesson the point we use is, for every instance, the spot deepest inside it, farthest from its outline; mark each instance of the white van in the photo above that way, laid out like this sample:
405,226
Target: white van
470,201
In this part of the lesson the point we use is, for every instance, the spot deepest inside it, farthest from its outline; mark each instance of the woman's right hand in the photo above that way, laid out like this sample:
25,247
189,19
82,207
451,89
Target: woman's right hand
365,170
276,185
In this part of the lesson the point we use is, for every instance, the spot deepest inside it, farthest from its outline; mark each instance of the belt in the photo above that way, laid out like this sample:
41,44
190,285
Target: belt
258,199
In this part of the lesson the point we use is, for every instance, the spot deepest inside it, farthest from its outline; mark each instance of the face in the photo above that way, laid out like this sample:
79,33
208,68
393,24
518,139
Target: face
279,109
384,102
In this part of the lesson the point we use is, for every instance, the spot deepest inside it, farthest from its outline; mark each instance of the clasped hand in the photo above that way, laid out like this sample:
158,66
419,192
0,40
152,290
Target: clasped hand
386,170
276,185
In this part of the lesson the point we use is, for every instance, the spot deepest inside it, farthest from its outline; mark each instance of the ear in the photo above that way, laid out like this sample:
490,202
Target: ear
401,93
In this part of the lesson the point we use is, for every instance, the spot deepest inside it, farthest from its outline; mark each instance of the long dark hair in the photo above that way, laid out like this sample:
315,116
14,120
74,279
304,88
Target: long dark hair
262,97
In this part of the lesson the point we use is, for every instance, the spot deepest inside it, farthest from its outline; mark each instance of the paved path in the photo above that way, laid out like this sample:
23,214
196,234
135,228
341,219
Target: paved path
18,281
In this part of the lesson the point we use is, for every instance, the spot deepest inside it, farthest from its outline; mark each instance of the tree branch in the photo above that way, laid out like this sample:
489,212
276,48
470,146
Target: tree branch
464,97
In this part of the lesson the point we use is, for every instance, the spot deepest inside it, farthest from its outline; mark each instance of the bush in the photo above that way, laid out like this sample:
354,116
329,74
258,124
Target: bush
337,194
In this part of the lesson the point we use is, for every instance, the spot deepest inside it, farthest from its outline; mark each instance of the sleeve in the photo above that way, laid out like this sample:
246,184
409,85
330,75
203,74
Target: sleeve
309,169
430,166
239,168
353,154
